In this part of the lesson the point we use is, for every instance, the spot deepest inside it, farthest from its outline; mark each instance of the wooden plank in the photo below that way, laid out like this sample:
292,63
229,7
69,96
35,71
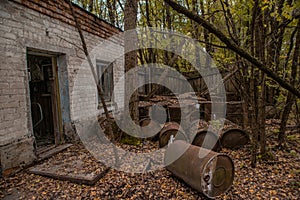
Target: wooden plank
52,151
75,164
75,179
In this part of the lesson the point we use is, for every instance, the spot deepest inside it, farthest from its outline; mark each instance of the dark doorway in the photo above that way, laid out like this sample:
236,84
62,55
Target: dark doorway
44,98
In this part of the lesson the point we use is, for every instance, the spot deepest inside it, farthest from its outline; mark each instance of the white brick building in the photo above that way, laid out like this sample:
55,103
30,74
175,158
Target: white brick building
45,83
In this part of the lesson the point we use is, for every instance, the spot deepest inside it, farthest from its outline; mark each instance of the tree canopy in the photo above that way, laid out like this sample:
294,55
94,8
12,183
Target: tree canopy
257,40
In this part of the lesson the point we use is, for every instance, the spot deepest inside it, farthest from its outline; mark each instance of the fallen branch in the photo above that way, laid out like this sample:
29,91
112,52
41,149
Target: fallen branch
99,89
234,47
69,42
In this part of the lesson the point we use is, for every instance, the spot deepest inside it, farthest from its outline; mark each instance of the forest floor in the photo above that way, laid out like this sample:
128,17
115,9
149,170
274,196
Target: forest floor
276,178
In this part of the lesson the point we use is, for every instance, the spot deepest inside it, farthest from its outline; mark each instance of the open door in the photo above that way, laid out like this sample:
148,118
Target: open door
44,97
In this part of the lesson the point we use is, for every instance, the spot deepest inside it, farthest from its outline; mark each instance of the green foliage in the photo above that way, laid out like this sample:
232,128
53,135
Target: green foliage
130,140
216,124
237,13
293,153
101,9
281,101
267,156
234,18
294,137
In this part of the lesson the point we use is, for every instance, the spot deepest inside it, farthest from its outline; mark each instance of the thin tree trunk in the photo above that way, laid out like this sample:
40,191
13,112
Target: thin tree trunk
208,47
83,4
130,22
111,11
231,45
253,86
262,115
148,14
91,6
290,97
275,47
261,46
254,124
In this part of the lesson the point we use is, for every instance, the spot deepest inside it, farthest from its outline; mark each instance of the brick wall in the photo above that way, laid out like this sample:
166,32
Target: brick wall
60,10
44,25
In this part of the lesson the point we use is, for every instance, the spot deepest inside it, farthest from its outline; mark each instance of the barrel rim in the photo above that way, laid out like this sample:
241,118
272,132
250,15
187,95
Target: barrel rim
216,147
208,162
179,130
234,129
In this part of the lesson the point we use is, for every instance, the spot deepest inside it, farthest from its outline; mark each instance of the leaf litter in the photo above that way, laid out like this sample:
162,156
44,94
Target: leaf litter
278,178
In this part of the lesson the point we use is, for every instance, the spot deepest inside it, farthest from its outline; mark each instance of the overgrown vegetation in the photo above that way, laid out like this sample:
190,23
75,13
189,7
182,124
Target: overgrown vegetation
268,30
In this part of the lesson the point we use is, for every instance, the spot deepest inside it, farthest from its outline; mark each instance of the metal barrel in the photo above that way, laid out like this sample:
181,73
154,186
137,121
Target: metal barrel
233,136
206,171
202,137
171,128
207,139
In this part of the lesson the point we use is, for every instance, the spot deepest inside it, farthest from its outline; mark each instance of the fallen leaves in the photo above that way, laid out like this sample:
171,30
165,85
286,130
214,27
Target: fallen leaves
279,179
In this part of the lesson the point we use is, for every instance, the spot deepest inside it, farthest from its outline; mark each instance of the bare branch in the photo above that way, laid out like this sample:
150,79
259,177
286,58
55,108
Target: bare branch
69,42
231,45
99,88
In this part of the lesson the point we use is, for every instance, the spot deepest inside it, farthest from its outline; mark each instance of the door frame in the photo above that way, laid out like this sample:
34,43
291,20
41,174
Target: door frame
55,94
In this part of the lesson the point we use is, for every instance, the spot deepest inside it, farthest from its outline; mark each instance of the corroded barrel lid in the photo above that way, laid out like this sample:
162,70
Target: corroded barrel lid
218,175
206,171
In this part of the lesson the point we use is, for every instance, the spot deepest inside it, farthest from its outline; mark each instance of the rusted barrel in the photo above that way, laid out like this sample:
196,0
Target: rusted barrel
233,136
206,171
170,128
202,137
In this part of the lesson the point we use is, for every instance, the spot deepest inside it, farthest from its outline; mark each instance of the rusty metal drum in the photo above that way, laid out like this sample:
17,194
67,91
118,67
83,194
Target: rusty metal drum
201,136
233,136
169,129
206,171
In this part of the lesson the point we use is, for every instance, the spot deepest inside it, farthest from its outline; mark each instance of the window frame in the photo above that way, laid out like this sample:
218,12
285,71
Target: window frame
107,73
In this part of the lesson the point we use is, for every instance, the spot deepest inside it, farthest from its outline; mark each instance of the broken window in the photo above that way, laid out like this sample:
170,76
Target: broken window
105,75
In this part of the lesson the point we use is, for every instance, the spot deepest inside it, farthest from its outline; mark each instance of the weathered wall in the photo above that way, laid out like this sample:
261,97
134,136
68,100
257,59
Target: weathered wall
44,25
